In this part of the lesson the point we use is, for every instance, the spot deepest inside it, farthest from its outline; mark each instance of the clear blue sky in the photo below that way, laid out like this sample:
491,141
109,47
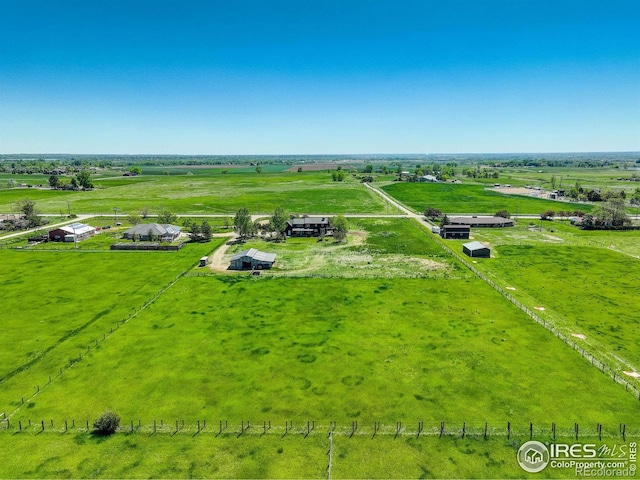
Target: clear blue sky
319,76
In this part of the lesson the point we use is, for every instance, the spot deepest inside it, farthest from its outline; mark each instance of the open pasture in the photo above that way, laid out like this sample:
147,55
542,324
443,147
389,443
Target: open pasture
333,349
57,303
584,289
203,193
465,198
76,454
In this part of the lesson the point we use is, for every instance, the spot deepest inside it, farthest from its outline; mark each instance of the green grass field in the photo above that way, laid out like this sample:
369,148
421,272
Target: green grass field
465,198
208,192
385,328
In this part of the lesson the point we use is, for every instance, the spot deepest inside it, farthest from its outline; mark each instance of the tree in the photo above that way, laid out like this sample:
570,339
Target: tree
444,221
167,217
195,231
107,423
612,213
54,182
84,179
340,228
278,222
299,169
134,219
242,223
206,231
258,169
136,170
548,215
31,214
144,212
503,214
432,213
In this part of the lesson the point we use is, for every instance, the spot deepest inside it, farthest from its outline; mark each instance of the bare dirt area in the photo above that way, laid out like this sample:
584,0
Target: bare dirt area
520,191
216,261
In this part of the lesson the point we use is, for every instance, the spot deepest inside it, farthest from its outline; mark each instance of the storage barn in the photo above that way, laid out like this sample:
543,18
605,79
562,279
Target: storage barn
252,259
455,231
74,232
476,249
482,221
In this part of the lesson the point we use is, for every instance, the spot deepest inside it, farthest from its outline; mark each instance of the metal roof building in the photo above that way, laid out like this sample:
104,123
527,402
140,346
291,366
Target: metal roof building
476,249
76,231
482,221
252,258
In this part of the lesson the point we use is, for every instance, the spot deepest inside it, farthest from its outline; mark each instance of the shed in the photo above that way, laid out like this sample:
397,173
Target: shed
69,233
252,259
455,231
476,249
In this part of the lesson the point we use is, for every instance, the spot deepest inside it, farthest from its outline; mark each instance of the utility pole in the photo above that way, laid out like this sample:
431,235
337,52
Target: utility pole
115,214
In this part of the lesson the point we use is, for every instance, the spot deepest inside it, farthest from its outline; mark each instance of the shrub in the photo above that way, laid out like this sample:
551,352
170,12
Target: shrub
107,423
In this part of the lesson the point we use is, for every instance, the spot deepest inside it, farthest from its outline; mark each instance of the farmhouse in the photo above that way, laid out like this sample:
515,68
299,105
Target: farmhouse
70,233
476,249
153,231
455,231
252,259
308,227
487,222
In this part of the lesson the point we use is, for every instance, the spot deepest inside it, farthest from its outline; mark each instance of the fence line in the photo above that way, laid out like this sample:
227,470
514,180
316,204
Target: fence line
96,342
596,362
348,429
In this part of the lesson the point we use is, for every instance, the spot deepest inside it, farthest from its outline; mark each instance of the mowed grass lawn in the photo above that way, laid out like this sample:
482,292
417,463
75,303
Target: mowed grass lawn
595,290
56,303
209,192
462,198
334,349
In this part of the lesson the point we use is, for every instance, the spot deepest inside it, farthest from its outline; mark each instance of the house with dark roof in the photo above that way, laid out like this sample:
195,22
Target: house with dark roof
455,231
476,249
153,231
252,259
308,227
482,222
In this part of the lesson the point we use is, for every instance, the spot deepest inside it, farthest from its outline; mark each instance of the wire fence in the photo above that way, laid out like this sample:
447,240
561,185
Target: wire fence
399,429
606,369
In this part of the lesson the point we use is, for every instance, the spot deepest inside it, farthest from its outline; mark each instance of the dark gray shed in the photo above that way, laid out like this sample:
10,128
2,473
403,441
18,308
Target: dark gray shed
252,259
476,249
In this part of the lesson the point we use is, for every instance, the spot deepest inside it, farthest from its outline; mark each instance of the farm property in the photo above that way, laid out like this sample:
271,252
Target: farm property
384,356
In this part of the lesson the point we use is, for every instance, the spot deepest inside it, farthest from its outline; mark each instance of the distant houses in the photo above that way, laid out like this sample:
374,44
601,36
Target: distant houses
252,259
308,227
476,249
72,233
153,231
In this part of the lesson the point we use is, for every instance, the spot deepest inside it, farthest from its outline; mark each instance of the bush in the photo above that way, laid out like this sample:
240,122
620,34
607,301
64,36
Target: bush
107,423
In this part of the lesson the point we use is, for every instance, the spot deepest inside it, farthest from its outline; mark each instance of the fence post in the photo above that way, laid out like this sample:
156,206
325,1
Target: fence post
508,430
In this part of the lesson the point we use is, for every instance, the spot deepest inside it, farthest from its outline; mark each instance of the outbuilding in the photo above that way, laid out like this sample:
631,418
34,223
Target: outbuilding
476,249
252,259
455,231
482,222
74,232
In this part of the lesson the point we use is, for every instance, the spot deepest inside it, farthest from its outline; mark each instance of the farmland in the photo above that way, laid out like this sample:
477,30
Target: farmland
387,327
469,198
207,191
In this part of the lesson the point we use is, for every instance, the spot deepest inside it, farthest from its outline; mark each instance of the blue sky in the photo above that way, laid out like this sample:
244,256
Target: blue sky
307,76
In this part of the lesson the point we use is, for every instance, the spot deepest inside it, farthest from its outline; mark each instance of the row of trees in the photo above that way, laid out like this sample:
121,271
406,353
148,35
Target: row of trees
82,180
